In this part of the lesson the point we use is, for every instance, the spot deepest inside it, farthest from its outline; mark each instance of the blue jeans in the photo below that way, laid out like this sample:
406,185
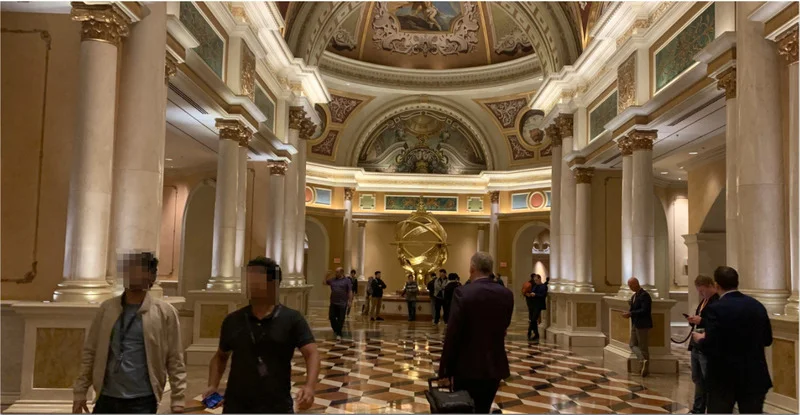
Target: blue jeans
699,375
109,405
412,310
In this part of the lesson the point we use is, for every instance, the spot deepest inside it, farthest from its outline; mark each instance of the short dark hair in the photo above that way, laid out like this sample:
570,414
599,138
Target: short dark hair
727,278
149,262
377,272
443,270
534,275
433,274
452,276
268,265
352,271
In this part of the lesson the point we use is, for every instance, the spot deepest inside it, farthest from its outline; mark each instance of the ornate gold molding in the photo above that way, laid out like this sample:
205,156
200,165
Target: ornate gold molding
233,130
642,139
277,167
348,193
564,122
624,144
248,72
727,81
170,68
554,133
101,23
495,196
299,121
626,84
361,223
583,175
787,45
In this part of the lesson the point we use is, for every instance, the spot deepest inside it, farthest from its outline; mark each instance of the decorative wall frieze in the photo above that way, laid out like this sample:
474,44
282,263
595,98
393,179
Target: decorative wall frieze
626,84
233,130
624,145
787,45
565,124
343,40
583,175
103,23
642,139
277,167
727,81
341,107
554,133
299,121
506,111
248,73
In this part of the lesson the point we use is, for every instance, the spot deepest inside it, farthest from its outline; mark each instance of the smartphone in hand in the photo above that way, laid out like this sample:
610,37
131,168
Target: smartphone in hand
211,401
685,315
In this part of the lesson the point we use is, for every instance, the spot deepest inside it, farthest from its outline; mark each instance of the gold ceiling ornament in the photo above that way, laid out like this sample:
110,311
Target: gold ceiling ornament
727,81
248,72
554,133
564,122
277,167
583,175
102,22
233,130
296,116
642,139
626,84
624,144
421,243
787,45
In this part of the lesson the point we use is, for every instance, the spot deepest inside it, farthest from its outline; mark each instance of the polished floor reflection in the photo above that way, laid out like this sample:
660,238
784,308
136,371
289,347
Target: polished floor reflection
382,367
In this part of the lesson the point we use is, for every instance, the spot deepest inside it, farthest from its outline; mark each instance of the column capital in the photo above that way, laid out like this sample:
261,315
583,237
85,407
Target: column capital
348,193
787,45
564,122
642,139
554,133
624,145
727,81
233,130
100,22
583,175
361,223
495,196
170,68
299,121
277,167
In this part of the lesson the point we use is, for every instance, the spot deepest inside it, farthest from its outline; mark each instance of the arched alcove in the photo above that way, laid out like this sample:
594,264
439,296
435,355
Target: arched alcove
318,253
197,239
522,264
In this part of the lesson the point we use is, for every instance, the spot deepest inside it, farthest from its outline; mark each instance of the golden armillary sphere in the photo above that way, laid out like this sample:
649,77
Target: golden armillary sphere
421,243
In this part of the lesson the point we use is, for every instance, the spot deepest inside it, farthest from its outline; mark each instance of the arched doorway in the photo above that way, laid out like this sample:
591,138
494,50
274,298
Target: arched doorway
522,264
319,251
197,239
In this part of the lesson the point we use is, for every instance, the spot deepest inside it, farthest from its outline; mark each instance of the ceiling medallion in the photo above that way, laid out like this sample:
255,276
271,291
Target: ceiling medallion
415,28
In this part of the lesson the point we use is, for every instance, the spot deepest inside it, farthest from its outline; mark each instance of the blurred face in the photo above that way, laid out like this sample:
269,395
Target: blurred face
378,275
135,276
410,277
706,291
258,288
352,274
473,272
537,279
339,272
442,274
633,285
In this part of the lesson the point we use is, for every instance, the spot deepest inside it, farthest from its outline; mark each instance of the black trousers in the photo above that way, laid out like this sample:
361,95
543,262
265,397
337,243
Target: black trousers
337,314
109,405
534,311
721,400
446,310
482,392
412,310
438,303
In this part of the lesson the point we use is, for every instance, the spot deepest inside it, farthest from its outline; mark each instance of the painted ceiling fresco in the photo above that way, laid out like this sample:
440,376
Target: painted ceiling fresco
422,141
523,129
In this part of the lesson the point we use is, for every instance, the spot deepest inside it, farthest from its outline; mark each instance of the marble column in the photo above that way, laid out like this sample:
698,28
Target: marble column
727,81
300,240
583,230
277,192
759,164
361,256
555,208
626,152
232,134
642,196
289,240
241,213
138,176
89,206
787,47
567,208
493,227
481,238
347,261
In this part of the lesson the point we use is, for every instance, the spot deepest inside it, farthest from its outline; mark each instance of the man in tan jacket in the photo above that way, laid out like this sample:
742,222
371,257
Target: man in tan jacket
133,345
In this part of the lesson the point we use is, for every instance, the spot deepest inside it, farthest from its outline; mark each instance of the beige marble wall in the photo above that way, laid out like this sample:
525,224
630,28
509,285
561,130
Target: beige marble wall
620,327
58,356
784,369
211,317
586,315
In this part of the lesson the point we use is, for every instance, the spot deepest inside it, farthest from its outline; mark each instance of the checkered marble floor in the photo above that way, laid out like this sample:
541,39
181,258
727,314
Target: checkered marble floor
384,366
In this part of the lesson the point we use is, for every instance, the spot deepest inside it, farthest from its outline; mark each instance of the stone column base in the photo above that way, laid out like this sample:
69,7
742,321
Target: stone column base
557,313
783,365
296,297
583,332
618,352
210,309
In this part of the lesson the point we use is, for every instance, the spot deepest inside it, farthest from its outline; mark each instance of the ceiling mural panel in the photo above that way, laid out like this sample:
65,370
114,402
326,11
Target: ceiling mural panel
522,128
422,141
212,48
341,107
335,116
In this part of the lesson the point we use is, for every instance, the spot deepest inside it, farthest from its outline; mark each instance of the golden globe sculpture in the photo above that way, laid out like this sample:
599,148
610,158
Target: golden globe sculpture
421,243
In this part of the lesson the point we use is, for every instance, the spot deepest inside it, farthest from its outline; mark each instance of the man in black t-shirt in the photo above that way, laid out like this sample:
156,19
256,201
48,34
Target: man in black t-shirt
262,338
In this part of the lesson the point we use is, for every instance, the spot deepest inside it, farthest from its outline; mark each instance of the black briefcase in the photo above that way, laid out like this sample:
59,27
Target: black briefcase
447,401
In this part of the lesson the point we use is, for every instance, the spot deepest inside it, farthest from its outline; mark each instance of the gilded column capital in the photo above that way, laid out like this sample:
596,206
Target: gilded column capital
102,23
583,175
170,68
564,122
727,81
348,193
642,139
787,45
277,167
361,223
495,196
624,145
299,121
554,133
233,130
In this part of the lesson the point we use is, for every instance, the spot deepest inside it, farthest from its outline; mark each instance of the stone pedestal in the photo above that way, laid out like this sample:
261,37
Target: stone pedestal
395,307
296,297
783,366
557,312
210,309
582,330
618,355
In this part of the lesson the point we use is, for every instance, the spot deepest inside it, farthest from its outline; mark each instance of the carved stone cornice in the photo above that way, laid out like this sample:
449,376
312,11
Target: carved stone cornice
624,145
277,167
348,193
642,139
233,130
101,23
787,45
727,81
554,133
583,175
564,122
495,196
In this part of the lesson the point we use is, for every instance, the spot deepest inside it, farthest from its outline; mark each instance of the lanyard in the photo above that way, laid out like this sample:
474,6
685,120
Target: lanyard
272,315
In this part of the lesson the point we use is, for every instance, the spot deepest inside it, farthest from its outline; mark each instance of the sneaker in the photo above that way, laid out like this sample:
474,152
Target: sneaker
338,337
379,318
645,368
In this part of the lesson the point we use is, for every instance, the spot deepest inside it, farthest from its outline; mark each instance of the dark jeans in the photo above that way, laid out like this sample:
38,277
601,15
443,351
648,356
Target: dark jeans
482,392
699,374
109,405
437,304
412,310
534,311
721,400
446,310
337,314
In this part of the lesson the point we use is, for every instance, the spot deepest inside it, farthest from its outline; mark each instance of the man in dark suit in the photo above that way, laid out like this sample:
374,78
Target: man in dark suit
474,353
640,313
736,333
708,295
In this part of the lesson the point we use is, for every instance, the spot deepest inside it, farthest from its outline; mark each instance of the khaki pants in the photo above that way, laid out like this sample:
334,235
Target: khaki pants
640,343
376,306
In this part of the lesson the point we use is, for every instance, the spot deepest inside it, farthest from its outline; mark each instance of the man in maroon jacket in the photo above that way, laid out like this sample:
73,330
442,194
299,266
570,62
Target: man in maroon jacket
474,353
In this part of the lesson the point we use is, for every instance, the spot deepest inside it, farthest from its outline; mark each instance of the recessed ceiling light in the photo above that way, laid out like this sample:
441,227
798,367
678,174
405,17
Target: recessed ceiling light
692,153
168,159
679,178
664,172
